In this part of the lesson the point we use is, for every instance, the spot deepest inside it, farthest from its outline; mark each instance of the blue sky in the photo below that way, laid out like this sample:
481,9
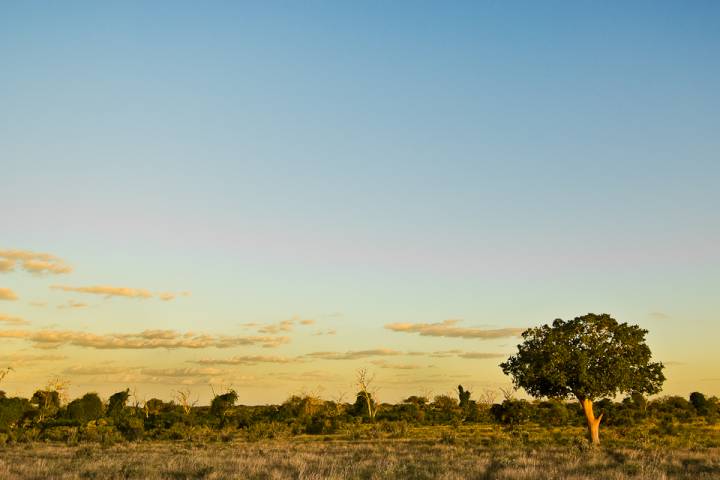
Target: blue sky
499,163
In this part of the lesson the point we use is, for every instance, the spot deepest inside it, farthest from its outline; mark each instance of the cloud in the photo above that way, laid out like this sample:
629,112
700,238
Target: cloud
283,326
38,304
19,358
7,294
329,331
354,355
147,339
115,374
97,370
309,376
7,319
447,328
442,353
659,315
33,262
395,366
107,291
248,360
480,355
181,372
73,304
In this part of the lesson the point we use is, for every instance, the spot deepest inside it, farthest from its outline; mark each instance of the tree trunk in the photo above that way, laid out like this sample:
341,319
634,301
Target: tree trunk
593,423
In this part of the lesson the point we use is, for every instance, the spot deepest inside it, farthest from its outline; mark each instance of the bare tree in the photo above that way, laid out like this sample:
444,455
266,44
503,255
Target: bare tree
486,398
364,382
139,404
59,385
508,393
183,398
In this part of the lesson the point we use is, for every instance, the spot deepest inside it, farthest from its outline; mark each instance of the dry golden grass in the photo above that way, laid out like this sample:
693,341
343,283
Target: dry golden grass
341,459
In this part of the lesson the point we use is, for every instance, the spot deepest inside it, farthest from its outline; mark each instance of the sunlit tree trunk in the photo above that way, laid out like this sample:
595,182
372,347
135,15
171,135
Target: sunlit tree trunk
592,421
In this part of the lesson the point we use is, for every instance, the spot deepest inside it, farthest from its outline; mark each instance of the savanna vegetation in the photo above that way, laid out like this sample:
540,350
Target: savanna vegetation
604,365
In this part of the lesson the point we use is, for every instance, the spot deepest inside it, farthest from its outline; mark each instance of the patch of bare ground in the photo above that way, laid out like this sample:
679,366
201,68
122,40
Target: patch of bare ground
339,459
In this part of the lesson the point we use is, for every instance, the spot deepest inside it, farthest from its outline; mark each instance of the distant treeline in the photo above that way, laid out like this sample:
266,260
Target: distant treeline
45,416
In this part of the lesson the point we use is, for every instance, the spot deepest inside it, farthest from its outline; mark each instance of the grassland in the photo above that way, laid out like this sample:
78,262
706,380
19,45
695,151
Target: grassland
419,454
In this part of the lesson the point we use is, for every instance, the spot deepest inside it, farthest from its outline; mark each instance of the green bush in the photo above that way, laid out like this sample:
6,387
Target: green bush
12,411
85,409
266,430
117,402
132,428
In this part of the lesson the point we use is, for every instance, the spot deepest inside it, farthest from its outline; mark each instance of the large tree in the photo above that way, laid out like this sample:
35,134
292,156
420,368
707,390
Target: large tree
588,357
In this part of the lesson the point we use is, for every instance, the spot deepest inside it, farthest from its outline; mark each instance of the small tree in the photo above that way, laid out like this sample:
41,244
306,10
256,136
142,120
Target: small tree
116,403
463,397
47,402
85,409
221,404
183,398
364,383
588,357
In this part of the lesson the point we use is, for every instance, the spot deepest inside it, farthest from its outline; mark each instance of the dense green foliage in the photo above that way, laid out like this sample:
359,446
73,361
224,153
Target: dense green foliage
588,357
89,419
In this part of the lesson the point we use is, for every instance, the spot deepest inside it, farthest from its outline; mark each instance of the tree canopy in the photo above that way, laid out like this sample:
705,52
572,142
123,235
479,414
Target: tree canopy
588,357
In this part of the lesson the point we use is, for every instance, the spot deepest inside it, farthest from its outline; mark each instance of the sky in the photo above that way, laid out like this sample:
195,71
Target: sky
269,196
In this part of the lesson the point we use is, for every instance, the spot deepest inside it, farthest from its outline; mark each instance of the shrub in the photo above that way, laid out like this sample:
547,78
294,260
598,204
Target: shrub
512,412
221,404
12,411
263,430
117,402
85,409
132,428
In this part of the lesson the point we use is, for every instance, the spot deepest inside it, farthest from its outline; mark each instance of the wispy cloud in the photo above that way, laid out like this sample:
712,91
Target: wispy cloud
108,292
38,304
248,360
329,331
33,262
73,304
308,376
147,339
480,355
396,366
282,326
98,369
123,374
354,354
443,353
9,320
448,328
181,372
20,358
7,294
659,315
